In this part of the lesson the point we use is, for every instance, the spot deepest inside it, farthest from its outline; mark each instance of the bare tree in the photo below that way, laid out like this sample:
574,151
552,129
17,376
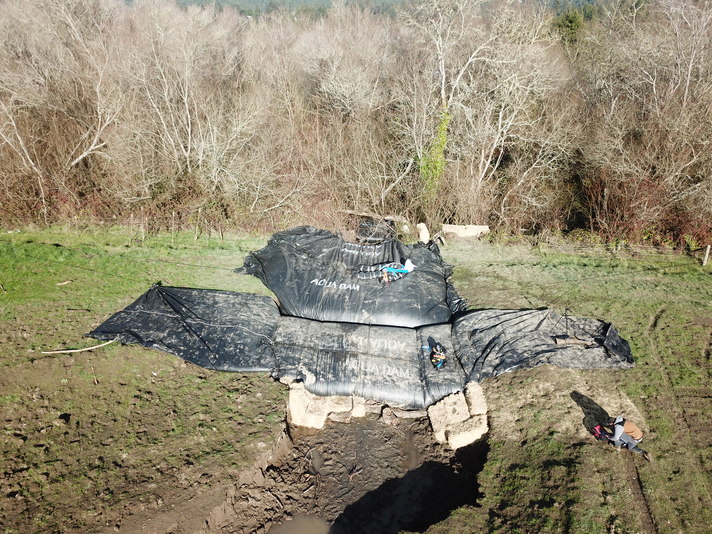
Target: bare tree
497,71
648,154
56,106
457,110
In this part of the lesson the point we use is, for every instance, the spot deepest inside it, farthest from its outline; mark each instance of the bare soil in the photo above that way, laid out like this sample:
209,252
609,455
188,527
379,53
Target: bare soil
124,439
369,475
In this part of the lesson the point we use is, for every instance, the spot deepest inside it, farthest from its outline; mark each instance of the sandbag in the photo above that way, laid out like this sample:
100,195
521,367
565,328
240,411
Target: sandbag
381,363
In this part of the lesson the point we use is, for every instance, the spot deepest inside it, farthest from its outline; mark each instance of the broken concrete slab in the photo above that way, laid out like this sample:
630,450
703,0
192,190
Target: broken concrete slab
409,414
457,420
362,407
448,411
465,230
466,432
475,398
461,418
308,410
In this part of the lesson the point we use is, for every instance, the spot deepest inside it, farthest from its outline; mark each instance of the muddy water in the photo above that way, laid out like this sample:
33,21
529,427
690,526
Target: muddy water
362,476
302,525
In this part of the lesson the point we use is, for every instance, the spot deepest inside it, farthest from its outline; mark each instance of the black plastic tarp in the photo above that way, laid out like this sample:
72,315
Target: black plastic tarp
220,330
316,274
382,363
242,332
359,319
492,342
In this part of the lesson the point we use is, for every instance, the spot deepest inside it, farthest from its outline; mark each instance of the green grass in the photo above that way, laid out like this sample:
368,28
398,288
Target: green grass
108,427
141,421
661,303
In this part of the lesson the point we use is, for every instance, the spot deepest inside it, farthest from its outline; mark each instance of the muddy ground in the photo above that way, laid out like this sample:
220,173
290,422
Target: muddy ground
125,439
369,475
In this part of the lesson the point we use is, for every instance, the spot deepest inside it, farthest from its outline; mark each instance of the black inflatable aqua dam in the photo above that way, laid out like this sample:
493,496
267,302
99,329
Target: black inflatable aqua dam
377,320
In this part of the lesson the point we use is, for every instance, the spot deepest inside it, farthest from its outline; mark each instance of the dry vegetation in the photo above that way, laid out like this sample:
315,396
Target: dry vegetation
450,111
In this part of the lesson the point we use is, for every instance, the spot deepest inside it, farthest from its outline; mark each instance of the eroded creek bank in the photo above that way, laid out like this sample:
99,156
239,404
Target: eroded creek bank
372,474
341,465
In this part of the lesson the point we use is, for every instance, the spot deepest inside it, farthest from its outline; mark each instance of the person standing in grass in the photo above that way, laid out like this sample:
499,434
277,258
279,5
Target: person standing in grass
627,433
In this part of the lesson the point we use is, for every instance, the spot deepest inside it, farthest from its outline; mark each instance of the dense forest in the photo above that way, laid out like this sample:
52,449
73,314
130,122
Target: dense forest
594,117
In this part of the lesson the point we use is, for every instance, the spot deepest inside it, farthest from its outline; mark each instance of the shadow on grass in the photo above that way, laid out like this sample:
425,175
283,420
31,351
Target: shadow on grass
593,414
421,498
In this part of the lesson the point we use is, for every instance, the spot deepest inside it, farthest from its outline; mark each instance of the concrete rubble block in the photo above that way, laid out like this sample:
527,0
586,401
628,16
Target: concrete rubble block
303,410
286,380
337,404
423,233
308,410
362,407
448,411
466,432
409,414
461,418
465,230
340,417
475,397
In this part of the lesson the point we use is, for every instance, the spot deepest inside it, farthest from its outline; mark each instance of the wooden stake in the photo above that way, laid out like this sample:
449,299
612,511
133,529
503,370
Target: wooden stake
197,225
707,255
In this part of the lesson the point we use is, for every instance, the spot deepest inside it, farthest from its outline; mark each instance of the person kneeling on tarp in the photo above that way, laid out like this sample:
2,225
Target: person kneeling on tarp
627,433
437,353
385,272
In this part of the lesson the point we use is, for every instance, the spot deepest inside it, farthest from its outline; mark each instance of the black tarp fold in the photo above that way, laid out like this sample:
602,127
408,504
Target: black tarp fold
347,325
315,275
220,330
241,332
491,342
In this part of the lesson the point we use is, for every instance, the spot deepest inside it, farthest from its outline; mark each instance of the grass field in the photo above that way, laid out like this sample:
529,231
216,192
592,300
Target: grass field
544,473
93,436
88,437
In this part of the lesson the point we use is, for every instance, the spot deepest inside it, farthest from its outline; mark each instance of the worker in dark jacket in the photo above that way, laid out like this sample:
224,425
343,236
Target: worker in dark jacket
627,433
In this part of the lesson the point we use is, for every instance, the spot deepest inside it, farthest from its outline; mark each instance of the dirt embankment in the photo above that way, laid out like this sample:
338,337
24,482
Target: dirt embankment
370,475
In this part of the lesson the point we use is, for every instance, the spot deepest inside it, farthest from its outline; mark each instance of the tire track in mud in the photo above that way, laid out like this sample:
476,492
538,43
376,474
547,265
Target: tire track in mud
677,401
698,403
633,476
632,473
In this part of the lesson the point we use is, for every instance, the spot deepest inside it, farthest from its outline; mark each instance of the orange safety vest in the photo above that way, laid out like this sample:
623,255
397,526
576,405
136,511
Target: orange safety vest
630,428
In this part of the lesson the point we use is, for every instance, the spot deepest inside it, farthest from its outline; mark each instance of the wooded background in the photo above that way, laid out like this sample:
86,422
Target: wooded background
514,114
